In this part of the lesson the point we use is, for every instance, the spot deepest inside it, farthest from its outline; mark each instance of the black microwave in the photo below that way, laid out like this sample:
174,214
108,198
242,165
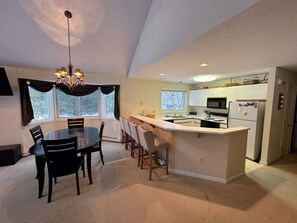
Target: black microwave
215,102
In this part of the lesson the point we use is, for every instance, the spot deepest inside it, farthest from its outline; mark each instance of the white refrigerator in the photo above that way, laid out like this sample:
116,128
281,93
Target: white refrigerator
249,114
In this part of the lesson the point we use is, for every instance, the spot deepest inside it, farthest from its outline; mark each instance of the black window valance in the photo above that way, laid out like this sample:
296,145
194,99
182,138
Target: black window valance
45,86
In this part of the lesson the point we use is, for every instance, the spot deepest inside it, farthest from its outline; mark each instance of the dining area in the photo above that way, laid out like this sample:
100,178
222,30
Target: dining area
65,151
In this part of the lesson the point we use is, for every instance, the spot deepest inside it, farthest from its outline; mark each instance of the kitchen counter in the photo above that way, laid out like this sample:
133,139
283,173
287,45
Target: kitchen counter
207,153
213,118
175,127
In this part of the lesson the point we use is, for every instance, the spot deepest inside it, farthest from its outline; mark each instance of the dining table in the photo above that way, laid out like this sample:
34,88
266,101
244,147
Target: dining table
87,138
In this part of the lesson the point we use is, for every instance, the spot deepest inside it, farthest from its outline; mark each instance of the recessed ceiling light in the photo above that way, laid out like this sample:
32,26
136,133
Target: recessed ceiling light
204,78
162,74
204,64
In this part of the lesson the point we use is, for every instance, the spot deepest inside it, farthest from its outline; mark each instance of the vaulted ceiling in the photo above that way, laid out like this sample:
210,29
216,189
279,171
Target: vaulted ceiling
143,38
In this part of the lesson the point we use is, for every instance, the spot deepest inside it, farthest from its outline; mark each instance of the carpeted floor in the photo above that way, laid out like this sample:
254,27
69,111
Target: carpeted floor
121,192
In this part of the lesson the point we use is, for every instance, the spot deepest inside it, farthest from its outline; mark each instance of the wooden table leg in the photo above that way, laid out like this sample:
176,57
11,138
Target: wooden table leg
40,164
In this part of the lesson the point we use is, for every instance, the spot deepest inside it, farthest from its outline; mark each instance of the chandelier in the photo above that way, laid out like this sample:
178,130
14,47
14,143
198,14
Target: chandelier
67,77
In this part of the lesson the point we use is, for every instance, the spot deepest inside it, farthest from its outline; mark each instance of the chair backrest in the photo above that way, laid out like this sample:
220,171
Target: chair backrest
101,130
146,139
127,127
61,156
122,124
36,133
134,132
75,123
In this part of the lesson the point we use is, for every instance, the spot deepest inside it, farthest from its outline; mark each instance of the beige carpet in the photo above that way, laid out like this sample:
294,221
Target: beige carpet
122,193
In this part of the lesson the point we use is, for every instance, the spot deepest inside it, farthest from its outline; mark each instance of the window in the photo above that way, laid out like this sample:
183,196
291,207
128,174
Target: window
108,105
41,104
68,105
173,100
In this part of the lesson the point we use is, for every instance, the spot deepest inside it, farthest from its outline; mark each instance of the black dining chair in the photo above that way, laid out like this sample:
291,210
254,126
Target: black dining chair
36,133
75,123
62,159
98,146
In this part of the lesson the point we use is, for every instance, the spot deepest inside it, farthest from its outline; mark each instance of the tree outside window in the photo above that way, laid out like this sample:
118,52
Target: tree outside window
41,104
68,105
173,100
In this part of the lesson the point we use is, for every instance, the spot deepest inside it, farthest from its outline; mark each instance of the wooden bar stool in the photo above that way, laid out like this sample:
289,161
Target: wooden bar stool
136,149
154,146
129,140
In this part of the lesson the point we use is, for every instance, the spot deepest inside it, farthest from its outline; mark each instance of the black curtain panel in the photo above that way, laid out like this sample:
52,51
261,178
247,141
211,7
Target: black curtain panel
44,86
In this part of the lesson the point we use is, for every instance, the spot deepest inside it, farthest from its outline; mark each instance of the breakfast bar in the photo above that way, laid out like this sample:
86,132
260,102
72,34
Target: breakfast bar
207,153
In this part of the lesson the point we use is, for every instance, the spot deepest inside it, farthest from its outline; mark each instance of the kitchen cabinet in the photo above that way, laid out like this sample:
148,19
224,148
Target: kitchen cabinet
242,92
187,122
199,97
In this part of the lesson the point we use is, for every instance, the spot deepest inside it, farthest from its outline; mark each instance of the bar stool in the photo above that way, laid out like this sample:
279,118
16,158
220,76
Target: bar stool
123,129
154,146
129,142
136,148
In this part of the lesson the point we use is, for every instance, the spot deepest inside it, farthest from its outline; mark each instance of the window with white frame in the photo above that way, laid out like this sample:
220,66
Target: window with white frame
41,104
173,100
57,104
69,106
107,103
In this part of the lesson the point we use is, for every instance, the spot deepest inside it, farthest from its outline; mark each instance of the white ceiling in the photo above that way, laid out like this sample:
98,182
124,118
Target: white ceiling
144,39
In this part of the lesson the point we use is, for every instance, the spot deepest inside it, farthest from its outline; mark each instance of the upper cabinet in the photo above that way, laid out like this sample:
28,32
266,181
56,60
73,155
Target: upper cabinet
243,92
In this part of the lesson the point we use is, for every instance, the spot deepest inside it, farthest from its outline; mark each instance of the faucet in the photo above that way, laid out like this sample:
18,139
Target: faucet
208,113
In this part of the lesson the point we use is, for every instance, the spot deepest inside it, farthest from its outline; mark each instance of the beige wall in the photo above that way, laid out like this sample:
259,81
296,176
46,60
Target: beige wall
132,93
273,123
139,96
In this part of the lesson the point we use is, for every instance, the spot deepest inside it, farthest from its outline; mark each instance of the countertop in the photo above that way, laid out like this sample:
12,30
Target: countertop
213,118
179,128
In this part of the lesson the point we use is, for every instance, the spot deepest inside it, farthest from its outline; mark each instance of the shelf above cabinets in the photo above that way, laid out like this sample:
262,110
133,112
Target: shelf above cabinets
243,92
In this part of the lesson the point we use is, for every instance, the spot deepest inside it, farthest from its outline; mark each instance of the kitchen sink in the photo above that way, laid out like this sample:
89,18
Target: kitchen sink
175,116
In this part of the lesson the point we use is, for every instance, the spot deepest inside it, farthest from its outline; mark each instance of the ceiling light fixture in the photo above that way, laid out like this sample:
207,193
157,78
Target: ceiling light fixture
204,64
204,78
162,74
64,77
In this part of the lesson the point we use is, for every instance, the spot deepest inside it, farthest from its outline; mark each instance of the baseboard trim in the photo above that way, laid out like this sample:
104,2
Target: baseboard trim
200,176
205,177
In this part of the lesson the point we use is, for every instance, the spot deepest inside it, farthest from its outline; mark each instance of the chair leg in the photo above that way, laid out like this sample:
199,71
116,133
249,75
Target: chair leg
50,189
77,183
101,155
132,147
151,164
83,167
138,147
167,160
55,178
142,157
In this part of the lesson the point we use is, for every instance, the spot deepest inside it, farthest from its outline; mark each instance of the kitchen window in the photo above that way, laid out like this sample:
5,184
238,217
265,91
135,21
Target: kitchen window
173,100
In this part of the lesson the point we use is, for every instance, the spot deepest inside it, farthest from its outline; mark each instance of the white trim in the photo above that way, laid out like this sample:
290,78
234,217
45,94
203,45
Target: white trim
205,177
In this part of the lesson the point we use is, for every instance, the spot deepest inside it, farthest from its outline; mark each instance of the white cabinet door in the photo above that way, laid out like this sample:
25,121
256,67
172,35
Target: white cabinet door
258,91
222,92
198,97
243,92
193,95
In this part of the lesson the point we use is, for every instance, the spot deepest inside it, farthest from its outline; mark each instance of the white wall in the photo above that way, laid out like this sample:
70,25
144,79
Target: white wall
172,23
132,92
273,123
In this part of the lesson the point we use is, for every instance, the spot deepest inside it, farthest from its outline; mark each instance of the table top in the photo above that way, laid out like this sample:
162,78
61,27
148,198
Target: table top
86,138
